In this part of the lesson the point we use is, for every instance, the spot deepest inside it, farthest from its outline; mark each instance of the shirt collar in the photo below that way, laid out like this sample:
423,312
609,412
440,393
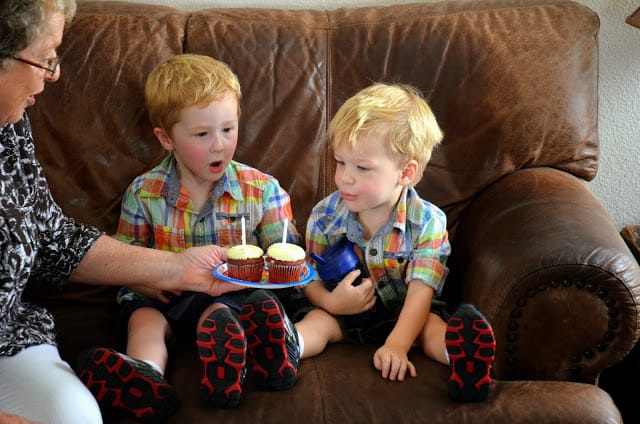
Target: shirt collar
227,184
345,222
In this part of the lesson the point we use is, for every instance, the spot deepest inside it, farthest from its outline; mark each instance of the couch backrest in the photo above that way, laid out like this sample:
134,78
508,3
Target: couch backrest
512,83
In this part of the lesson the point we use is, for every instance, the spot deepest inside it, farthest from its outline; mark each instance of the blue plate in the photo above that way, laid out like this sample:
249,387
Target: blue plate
307,275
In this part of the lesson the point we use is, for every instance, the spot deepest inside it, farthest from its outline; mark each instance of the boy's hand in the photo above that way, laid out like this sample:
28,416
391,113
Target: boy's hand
348,299
393,362
163,296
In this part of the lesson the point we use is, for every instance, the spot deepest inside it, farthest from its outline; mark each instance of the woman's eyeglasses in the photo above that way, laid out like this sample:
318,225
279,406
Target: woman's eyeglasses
51,66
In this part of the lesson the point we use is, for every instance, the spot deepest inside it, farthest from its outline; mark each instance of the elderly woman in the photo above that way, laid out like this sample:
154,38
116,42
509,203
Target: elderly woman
35,236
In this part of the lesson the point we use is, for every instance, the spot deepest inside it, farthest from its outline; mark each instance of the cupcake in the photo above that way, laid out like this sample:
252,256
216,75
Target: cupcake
245,262
285,262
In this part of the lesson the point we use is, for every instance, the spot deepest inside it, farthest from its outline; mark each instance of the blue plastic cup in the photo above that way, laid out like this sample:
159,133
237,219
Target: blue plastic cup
336,262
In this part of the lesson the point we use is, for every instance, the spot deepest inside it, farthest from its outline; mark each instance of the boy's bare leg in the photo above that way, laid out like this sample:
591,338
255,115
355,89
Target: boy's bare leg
147,333
317,329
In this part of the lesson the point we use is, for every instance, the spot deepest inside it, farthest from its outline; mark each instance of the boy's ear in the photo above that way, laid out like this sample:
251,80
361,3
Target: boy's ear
409,172
163,138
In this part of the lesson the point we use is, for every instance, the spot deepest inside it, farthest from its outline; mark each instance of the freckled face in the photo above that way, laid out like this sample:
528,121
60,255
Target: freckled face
21,82
204,140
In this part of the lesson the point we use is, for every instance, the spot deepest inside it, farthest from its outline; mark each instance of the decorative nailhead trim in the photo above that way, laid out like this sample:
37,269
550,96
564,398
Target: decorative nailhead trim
511,347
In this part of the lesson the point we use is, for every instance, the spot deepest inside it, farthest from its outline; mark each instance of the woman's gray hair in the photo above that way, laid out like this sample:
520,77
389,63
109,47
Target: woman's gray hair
22,21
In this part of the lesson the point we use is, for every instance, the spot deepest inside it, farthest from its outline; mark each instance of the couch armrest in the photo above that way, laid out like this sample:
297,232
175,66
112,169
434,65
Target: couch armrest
538,253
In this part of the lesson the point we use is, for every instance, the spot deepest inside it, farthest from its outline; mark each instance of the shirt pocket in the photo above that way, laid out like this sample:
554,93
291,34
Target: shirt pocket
395,264
169,238
229,229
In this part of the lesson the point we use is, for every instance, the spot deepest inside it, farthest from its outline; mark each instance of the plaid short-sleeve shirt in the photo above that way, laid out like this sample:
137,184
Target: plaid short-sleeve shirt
412,245
158,213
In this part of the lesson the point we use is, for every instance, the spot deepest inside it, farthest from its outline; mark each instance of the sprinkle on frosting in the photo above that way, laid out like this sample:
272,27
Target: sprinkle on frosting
244,251
287,252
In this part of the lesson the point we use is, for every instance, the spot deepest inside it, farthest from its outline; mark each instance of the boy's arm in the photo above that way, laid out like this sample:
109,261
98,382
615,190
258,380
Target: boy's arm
317,294
413,316
391,359
425,274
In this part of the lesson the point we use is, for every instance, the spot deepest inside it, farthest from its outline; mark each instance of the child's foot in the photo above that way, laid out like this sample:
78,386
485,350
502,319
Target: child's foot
222,349
471,347
120,382
272,340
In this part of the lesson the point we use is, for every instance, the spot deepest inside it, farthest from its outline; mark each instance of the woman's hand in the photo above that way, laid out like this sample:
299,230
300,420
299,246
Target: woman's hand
198,264
197,274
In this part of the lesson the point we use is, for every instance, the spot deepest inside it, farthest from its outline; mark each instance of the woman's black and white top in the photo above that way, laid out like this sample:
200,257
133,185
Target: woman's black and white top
36,239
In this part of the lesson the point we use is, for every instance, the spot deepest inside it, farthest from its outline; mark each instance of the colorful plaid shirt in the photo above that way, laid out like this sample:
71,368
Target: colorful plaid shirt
412,245
158,213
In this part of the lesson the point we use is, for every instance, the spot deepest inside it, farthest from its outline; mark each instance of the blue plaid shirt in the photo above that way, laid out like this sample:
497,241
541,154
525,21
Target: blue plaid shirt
412,245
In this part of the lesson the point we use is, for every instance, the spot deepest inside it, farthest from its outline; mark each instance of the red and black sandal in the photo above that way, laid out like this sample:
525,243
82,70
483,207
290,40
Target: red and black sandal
471,346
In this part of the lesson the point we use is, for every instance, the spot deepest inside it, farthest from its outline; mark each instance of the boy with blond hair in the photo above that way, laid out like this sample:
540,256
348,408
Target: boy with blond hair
382,139
197,195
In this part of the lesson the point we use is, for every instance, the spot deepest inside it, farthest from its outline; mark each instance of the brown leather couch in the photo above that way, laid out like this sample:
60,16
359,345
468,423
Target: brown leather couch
514,85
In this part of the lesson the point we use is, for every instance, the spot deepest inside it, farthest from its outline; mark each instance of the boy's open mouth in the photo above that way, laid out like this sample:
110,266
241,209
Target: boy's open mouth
216,166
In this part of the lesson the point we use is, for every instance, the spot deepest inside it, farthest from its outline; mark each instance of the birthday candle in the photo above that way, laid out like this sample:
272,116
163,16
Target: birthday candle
284,231
244,237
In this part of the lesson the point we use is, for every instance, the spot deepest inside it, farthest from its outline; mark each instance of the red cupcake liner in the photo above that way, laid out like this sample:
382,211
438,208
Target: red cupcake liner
246,271
280,272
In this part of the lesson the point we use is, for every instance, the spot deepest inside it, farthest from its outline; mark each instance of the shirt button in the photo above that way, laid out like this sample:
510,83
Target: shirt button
373,252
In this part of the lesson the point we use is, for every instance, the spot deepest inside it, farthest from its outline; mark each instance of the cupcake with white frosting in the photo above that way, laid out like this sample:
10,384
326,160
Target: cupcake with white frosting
245,262
285,262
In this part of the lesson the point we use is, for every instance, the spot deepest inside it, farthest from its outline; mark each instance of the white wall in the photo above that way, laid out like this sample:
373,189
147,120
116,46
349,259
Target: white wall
618,182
